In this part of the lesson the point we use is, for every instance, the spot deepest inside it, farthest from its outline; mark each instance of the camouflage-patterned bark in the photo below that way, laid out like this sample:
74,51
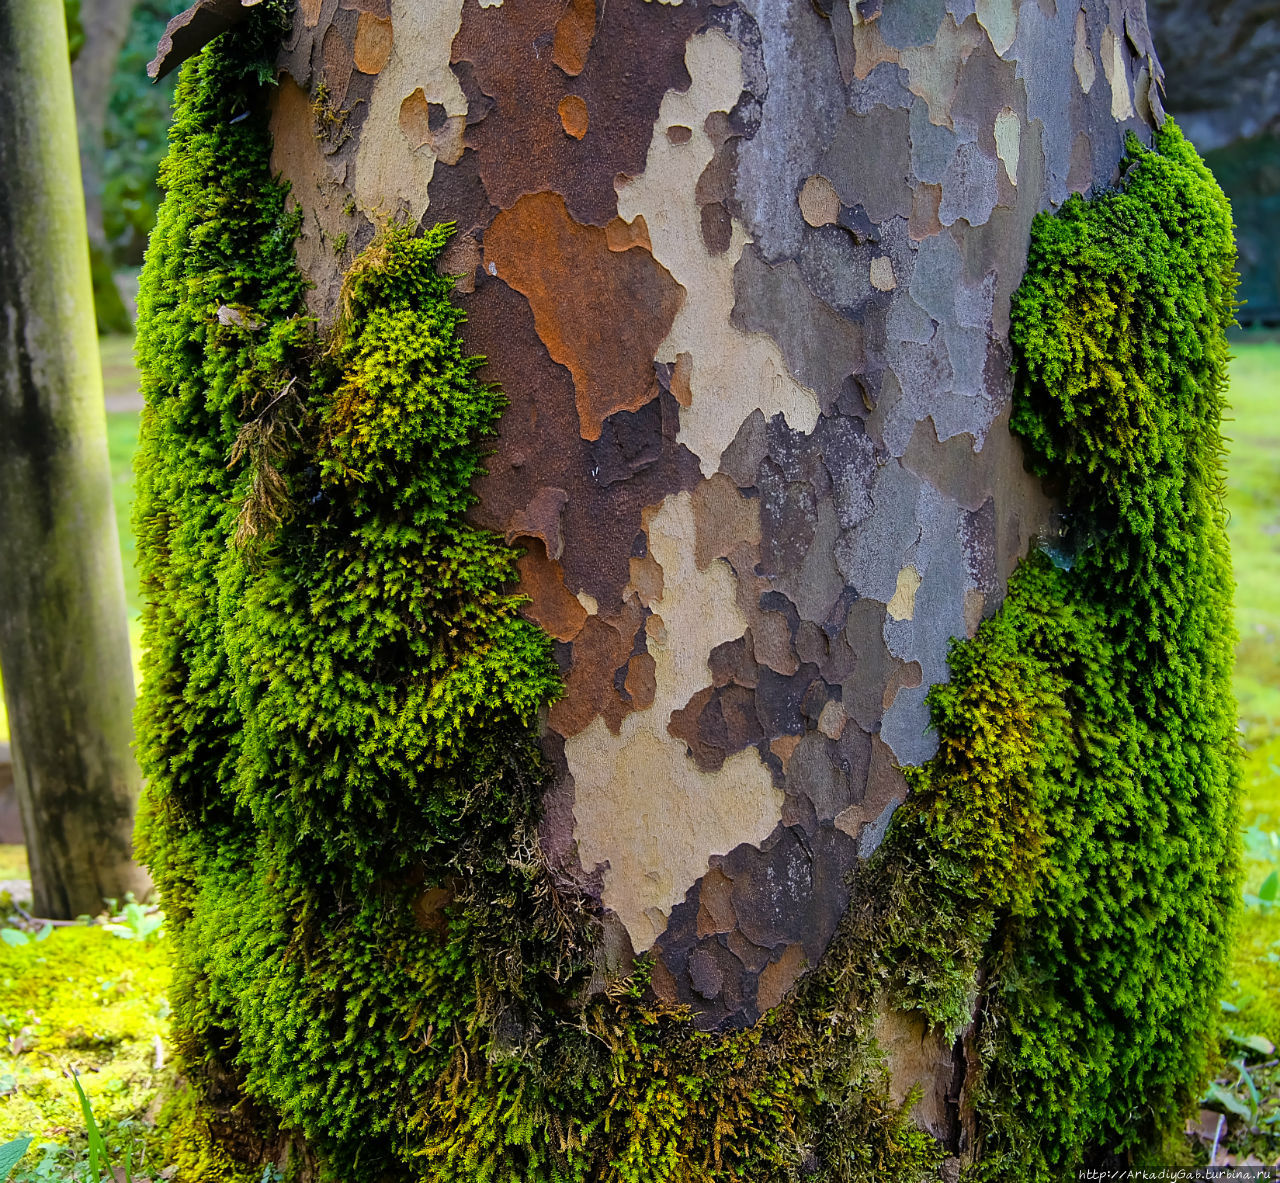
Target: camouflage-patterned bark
743,270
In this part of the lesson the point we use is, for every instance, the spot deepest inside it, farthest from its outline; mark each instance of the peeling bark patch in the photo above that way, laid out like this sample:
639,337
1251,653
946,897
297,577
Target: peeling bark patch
586,301
573,116
373,43
644,811
1113,65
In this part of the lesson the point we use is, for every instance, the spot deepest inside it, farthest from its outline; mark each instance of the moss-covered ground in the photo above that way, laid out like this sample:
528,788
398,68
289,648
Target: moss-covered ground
87,1002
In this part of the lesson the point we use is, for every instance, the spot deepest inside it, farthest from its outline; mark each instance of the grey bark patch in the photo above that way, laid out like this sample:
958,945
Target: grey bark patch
870,556
820,346
969,186
869,163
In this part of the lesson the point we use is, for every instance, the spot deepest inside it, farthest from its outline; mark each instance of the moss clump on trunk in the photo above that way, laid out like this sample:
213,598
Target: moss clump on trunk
338,727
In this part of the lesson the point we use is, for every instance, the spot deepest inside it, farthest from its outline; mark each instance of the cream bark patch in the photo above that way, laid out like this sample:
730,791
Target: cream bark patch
1008,133
643,809
392,171
1085,68
1000,19
903,604
882,274
933,70
1117,76
732,373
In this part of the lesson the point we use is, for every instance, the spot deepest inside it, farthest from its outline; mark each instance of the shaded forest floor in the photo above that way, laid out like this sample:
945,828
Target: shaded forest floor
86,1000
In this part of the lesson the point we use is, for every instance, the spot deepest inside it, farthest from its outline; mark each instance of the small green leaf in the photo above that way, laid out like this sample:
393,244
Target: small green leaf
1255,1043
1215,1094
12,936
1270,886
11,1154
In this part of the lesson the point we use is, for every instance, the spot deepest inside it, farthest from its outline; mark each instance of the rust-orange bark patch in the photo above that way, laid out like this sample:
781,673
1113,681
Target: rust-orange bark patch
574,31
373,43
601,313
574,117
551,605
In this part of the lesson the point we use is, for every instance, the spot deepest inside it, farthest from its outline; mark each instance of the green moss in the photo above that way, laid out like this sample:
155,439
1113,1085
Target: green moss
1098,704
87,1001
338,730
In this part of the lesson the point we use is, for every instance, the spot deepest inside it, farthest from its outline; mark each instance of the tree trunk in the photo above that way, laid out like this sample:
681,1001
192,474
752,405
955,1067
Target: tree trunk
105,24
64,645
749,301
744,272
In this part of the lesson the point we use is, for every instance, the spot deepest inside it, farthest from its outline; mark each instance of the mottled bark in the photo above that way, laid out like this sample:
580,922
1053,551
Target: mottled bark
744,272
64,646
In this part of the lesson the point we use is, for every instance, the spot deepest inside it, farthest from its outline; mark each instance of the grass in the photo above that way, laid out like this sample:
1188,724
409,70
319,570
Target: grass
87,1002
1253,495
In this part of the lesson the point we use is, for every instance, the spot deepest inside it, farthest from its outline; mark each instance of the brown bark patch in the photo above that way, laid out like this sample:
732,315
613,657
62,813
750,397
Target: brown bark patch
715,904
642,681
646,580
541,519
373,43
574,116
574,31
682,378
926,200
779,976
551,604
724,519
335,52
600,313
460,259
600,650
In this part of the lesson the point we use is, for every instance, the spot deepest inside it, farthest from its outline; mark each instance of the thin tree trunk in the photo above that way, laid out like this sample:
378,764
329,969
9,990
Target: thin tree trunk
64,645
105,24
